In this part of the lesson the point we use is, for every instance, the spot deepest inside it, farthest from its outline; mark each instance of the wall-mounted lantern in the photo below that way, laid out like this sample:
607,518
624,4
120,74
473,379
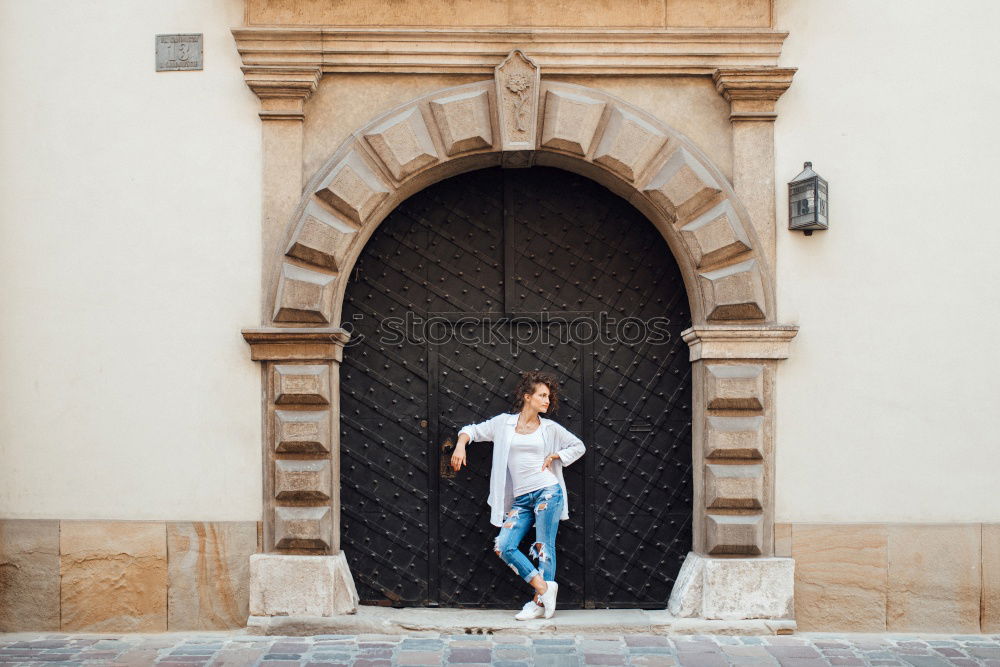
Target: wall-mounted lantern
807,202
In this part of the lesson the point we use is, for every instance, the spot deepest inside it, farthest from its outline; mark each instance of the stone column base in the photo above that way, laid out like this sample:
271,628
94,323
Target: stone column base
301,586
731,589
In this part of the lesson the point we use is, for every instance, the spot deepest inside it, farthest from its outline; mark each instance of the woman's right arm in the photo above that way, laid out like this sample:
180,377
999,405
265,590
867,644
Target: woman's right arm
480,432
458,458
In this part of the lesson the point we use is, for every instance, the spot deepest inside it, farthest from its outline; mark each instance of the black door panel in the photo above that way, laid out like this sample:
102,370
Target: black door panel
540,269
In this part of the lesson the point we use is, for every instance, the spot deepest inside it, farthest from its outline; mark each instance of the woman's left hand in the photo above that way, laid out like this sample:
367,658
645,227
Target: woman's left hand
548,461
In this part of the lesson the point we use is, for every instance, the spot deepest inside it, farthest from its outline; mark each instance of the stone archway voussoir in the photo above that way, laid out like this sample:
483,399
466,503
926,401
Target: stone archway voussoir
642,159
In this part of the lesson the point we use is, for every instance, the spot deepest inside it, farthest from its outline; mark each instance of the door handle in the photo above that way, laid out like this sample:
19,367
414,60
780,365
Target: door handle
447,471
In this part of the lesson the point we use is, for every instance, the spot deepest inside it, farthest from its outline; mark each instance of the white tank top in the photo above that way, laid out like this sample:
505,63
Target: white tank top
524,461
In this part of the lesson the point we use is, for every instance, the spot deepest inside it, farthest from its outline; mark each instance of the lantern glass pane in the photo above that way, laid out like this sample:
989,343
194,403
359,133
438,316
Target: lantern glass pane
802,203
821,209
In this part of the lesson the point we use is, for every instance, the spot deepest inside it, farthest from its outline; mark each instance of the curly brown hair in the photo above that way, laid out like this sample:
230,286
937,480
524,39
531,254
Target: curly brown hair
526,385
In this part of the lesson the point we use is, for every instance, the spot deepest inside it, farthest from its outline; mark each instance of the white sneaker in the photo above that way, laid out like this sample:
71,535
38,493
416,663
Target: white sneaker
530,611
548,598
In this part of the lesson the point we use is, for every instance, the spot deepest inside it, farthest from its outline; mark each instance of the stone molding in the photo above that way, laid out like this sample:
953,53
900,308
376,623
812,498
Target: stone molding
296,344
743,342
753,91
282,88
605,52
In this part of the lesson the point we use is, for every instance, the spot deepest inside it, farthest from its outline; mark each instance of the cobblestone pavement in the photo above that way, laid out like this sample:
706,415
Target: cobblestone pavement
502,650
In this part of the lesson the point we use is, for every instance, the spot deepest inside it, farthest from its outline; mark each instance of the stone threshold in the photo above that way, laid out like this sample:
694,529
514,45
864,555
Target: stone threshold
389,621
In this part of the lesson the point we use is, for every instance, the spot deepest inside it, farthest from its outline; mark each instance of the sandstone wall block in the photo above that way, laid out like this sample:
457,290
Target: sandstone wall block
841,577
783,540
209,574
29,575
721,13
990,612
935,578
114,576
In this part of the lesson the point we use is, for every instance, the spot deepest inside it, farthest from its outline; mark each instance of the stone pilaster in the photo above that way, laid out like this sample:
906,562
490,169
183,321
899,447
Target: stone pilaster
283,90
732,572
303,570
752,93
301,370
733,436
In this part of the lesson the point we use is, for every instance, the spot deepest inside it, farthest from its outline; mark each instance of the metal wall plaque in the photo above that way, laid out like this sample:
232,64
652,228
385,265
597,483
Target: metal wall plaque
178,52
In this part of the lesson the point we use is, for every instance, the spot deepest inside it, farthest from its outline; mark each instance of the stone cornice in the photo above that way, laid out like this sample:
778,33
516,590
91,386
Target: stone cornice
282,89
612,52
281,81
753,91
296,344
739,342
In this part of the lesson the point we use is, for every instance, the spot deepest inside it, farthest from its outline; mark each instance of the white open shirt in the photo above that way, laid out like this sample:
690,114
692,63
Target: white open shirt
499,429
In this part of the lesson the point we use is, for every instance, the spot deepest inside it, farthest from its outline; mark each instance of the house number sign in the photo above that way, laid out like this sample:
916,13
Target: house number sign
178,52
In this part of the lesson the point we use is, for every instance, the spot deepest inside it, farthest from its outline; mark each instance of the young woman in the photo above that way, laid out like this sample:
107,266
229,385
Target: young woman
526,483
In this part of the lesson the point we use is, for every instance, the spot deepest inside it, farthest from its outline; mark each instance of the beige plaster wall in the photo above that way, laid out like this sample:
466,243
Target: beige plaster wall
886,409
129,259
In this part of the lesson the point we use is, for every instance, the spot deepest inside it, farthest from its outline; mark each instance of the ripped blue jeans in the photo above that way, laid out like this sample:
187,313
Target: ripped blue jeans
543,509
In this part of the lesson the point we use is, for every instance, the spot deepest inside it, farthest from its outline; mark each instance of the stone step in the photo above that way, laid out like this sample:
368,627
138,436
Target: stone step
389,621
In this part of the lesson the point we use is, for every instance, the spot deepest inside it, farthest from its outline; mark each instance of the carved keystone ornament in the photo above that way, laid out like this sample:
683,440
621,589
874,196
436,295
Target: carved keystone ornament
517,84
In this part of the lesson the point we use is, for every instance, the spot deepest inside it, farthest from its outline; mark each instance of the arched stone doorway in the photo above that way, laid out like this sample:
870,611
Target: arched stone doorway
516,120
462,286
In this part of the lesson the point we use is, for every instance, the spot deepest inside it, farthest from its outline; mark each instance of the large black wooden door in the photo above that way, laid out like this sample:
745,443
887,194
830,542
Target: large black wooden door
465,285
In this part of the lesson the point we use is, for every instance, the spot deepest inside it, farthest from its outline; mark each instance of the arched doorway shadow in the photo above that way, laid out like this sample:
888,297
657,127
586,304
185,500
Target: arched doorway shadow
465,284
